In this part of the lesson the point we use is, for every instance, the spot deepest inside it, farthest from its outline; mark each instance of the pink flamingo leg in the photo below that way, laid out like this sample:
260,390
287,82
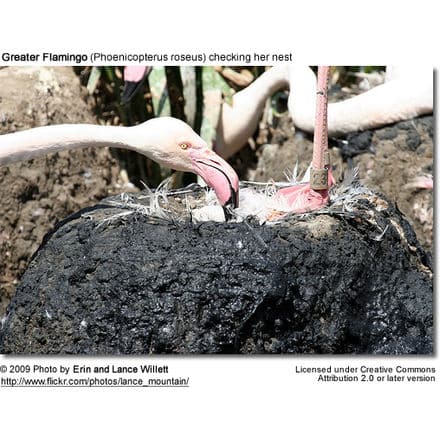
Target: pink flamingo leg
320,138
315,194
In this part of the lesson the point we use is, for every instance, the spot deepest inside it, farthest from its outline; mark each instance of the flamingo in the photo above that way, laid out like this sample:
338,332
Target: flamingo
237,122
406,93
313,195
303,197
168,141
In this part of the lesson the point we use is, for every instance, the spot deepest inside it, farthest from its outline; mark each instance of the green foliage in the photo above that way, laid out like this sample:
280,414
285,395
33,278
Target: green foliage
159,92
94,77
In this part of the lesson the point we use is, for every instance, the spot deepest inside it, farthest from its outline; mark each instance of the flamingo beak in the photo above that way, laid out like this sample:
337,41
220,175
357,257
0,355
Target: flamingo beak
133,79
218,174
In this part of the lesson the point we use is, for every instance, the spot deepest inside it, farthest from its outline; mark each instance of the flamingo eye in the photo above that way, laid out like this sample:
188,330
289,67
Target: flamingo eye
183,146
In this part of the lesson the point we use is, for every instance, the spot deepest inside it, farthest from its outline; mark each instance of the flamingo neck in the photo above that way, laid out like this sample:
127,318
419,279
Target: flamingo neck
402,97
238,122
39,141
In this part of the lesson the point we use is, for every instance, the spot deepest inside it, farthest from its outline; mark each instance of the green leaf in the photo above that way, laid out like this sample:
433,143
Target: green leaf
212,80
215,91
92,83
159,92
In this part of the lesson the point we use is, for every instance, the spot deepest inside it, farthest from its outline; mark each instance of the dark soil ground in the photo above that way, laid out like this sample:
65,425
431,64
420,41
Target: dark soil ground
37,193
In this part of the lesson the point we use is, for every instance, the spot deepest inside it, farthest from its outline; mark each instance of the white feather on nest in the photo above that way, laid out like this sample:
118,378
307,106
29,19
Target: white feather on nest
257,199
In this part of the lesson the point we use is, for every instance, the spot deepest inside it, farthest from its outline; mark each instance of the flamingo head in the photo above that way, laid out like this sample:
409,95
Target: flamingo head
173,143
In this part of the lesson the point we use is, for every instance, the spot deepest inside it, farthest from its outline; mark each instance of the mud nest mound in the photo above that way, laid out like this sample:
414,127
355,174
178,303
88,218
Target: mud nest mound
388,159
124,277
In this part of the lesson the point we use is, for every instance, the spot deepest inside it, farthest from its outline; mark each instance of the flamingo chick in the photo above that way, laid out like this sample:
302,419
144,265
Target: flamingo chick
168,141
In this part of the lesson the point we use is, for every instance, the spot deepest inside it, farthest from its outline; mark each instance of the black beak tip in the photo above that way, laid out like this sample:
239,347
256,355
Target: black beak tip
233,200
230,205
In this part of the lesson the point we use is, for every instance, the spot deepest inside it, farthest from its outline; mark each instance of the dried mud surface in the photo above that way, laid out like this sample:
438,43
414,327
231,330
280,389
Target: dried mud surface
37,193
